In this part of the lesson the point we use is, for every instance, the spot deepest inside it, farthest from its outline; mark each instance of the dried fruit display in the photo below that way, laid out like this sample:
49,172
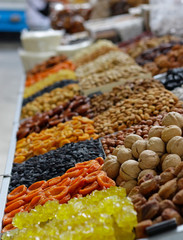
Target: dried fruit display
49,101
54,163
48,81
97,216
79,105
77,182
78,129
59,84
137,47
164,62
36,77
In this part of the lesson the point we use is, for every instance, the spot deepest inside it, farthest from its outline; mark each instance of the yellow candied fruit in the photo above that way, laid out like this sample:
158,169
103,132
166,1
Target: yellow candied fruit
106,214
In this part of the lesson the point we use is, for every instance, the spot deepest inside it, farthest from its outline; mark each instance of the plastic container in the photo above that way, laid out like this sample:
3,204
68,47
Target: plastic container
41,41
30,59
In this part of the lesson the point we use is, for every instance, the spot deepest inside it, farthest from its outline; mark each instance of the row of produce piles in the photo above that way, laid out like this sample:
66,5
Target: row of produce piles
95,149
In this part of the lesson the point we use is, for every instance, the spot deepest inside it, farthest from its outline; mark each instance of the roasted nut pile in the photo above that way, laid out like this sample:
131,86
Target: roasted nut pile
94,51
134,49
54,163
48,81
104,101
116,74
110,142
50,100
48,89
131,111
36,77
164,62
78,129
139,161
103,63
79,105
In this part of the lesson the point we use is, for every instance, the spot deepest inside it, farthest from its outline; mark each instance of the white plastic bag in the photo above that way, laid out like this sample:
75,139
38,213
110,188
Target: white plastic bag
166,17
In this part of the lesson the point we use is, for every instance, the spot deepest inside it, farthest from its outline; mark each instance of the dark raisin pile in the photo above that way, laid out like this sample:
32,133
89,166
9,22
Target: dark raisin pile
54,163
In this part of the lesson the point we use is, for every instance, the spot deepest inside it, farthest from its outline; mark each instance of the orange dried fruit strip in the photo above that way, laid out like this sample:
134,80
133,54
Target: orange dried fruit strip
89,188
41,184
8,228
105,181
14,206
17,192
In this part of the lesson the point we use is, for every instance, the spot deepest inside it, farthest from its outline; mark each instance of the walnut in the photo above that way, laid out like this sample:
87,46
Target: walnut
138,147
171,160
148,160
130,139
111,167
129,170
169,132
175,146
116,150
155,131
119,179
124,154
179,170
110,157
129,185
157,145
173,118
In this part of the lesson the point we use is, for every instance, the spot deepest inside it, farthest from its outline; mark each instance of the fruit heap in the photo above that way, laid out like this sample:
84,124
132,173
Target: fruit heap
49,101
48,89
78,129
49,68
79,105
54,163
137,46
76,182
105,214
48,81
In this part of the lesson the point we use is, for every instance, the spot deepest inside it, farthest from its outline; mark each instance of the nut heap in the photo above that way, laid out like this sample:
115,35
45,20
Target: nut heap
50,100
104,101
79,105
78,129
151,102
134,49
116,74
136,165
110,142
103,63
94,51
164,62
